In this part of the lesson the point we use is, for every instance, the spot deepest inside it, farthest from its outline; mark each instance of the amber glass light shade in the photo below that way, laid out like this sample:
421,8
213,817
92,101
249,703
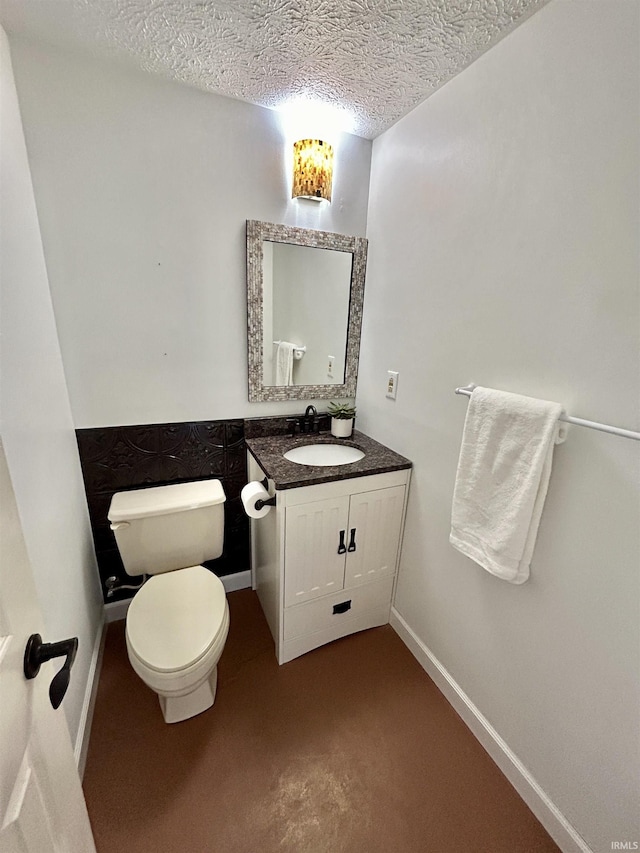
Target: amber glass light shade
312,169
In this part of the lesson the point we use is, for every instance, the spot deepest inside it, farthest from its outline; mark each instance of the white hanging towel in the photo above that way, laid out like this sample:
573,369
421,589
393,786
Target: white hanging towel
502,479
284,363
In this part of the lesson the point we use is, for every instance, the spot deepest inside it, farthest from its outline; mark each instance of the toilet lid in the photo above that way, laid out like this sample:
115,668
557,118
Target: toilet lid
173,620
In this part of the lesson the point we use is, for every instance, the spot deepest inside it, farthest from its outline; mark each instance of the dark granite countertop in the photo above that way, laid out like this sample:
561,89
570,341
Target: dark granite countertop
268,451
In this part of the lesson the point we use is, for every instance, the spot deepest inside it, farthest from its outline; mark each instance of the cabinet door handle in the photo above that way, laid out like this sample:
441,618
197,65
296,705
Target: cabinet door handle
342,548
352,541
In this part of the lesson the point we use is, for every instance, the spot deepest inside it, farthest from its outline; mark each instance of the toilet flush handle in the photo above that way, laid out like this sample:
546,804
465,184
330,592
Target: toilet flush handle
119,525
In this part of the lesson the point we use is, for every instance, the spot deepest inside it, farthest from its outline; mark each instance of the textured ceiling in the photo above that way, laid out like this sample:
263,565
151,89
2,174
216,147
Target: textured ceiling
376,59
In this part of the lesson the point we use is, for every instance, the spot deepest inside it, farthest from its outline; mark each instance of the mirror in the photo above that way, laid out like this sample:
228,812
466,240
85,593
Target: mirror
305,290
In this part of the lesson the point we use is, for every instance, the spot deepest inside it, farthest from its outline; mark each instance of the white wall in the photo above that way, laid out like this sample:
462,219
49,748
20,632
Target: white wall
35,418
143,188
503,229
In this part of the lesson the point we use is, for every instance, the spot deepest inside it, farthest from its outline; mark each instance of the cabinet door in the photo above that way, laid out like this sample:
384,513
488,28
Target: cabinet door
373,535
313,566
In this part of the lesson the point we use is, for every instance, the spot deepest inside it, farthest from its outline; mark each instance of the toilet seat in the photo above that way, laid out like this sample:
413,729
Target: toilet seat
176,621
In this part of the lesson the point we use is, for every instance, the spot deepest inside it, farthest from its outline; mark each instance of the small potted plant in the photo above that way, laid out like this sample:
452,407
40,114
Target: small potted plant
342,415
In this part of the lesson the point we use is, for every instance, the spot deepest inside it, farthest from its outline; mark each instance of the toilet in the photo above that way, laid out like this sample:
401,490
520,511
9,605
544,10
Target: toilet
177,623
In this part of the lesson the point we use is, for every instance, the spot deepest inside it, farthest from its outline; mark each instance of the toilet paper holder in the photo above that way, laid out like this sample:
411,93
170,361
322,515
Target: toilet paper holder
271,502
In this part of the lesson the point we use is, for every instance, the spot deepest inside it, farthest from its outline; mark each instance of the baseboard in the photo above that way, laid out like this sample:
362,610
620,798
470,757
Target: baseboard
116,610
240,580
86,715
540,804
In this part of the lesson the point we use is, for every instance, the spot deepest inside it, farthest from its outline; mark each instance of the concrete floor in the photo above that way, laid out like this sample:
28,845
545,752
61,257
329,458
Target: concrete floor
348,749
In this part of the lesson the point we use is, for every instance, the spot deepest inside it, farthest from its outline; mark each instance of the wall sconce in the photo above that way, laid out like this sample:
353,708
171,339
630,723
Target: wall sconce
312,169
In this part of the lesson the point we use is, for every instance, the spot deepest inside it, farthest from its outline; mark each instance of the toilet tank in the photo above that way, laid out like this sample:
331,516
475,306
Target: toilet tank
168,527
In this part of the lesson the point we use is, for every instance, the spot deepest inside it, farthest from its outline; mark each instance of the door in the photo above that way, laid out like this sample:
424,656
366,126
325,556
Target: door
42,808
315,545
375,519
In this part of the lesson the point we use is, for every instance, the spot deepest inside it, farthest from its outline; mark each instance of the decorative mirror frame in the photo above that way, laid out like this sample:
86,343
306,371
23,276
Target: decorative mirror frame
257,232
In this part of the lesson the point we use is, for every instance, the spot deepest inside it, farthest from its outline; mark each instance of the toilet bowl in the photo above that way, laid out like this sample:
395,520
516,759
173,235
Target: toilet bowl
177,623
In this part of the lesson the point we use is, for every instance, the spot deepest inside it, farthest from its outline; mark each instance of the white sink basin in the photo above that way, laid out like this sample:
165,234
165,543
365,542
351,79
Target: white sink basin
324,454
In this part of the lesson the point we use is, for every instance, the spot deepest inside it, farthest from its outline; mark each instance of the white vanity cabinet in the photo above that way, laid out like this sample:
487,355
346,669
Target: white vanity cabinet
341,542
324,559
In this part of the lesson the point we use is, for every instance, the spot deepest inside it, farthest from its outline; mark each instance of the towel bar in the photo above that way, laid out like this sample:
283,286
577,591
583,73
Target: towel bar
295,347
625,433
